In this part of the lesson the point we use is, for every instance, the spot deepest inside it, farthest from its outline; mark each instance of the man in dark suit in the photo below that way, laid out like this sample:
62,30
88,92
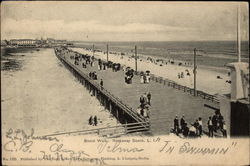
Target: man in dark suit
176,125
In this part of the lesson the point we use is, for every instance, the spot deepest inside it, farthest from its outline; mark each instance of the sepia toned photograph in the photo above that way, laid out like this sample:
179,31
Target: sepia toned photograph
125,83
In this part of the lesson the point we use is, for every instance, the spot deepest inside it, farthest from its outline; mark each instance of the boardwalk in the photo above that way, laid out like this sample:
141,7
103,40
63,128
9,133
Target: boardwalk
166,102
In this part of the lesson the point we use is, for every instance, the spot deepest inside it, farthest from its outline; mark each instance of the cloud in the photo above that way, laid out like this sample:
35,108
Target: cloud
60,26
128,20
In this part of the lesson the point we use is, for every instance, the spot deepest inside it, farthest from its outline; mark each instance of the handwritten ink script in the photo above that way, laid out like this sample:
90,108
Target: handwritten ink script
57,152
187,148
20,146
18,140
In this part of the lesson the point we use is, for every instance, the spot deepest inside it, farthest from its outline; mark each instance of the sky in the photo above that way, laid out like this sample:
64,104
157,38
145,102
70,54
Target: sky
123,21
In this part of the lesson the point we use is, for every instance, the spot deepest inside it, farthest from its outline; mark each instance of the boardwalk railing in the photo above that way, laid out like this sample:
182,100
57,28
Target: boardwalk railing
186,89
173,84
111,131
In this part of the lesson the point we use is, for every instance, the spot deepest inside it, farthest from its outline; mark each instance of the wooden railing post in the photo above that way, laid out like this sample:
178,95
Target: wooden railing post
126,128
98,131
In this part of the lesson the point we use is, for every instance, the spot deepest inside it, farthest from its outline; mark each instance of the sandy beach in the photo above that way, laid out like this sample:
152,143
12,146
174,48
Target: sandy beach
207,80
45,96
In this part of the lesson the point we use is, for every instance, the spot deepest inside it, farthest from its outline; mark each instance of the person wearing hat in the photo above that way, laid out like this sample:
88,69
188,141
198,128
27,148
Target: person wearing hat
141,79
142,101
200,126
149,97
210,127
145,114
192,131
182,122
139,109
185,130
101,83
95,121
176,125
224,129
145,99
147,110
196,125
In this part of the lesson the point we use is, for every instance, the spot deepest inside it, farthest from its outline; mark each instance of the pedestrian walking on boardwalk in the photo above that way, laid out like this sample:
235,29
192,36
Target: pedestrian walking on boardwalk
95,121
182,122
139,110
101,83
210,127
192,131
185,130
200,126
214,122
149,98
220,121
145,98
144,78
176,125
224,129
196,125
142,101
145,114
147,110
141,79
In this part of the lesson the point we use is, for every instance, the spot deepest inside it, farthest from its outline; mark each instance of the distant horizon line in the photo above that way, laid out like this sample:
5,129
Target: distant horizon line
161,41
129,41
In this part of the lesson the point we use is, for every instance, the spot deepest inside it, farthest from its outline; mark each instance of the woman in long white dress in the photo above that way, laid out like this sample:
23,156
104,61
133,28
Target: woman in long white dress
147,78
145,114
142,79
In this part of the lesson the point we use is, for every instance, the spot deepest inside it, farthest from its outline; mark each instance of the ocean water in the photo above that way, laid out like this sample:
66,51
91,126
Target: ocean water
209,53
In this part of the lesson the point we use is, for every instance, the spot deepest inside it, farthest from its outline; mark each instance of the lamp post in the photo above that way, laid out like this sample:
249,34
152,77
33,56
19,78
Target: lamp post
238,34
136,58
107,52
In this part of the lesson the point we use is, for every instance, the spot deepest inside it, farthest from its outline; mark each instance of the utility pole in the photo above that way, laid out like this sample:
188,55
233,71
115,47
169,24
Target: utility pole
93,49
136,58
194,71
107,52
238,34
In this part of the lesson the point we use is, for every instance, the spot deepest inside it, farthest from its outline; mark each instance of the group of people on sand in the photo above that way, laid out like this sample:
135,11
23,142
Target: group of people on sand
182,75
227,81
145,77
93,120
143,109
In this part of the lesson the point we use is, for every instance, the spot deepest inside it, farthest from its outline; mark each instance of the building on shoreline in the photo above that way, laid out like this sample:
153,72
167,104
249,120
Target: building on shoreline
49,42
4,42
24,42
